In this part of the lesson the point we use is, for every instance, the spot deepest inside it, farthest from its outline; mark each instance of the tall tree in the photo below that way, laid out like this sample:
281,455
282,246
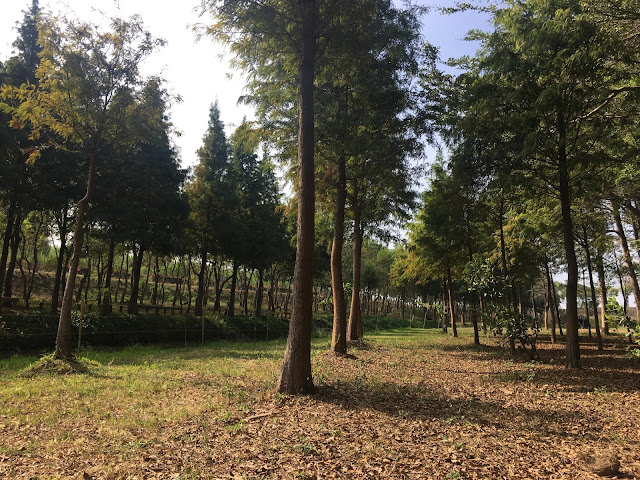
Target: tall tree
87,80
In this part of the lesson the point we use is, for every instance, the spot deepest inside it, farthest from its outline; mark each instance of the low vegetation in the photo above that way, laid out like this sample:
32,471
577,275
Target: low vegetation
409,403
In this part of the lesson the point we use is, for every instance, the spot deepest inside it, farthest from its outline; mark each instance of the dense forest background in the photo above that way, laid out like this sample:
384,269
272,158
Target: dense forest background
536,176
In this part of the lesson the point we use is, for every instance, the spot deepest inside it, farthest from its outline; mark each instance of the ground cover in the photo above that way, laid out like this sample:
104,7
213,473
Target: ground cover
410,403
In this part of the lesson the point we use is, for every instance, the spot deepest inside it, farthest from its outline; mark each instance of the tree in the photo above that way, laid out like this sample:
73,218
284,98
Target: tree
253,30
87,80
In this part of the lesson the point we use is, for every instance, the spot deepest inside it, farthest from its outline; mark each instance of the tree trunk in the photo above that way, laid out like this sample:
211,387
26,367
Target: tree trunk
454,329
259,292
295,376
146,280
602,280
57,279
201,287
231,308
593,290
136,270
106,302
63,338
15,244
550,307
6,243
156,281
339,335
355,316
627,258
573,342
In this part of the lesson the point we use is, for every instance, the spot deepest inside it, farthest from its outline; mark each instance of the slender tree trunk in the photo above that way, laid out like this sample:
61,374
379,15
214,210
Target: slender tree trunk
63,338
556,305
146,280
126,276
550,307
259,292
295,376
627,258
106,302
586,301
339,335
231,308
593,290
156,281
355,316
121,269
602,280
57,279
201,287
573,342
15,244
454,329
136,270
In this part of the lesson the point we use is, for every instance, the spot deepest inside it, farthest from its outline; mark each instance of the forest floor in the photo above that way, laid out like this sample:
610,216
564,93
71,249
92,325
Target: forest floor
409,404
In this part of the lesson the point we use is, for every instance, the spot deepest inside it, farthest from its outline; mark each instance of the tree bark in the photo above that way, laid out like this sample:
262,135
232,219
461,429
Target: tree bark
63,339
201,278
624,244
259,293
602,280
136,269
573,342
355,316
593,290
339,335
106,301
454,329
231,308
295,376
15,244
550,307
6,243
57,280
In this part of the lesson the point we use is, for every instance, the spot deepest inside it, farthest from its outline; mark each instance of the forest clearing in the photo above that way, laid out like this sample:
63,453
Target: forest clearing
409,403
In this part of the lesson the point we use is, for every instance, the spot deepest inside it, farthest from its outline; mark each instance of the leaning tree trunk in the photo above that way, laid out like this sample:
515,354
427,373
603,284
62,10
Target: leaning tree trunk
63,338
573,342
339,335
355,315
295,376
602,280
627,258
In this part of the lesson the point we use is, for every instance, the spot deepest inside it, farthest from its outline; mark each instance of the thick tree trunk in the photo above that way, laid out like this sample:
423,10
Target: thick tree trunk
627,258
63,338
295,376
6,243
573,342
57,279
339,335
355,316
106,302
201,287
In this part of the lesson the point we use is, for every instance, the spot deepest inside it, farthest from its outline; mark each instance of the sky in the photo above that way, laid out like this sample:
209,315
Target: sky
198,71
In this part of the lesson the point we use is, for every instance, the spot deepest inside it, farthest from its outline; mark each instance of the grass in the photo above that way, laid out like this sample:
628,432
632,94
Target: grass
413,403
